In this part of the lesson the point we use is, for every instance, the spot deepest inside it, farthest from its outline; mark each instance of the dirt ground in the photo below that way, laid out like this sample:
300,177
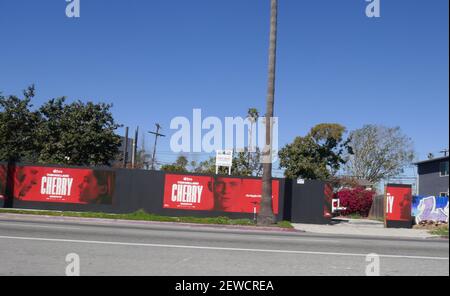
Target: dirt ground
431,225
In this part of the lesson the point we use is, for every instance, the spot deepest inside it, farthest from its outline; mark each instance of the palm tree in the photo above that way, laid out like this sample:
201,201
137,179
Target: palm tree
266,216
252,116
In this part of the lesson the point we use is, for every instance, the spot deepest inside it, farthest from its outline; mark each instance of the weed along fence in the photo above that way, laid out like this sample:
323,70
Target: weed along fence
120,191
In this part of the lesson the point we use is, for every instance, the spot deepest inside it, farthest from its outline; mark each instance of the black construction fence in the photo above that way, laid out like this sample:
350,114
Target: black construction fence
108,190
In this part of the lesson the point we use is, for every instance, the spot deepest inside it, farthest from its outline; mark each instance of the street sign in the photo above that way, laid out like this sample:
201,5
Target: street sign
300,181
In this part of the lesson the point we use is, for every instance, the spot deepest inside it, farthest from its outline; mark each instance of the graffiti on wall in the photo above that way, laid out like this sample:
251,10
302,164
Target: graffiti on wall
430,208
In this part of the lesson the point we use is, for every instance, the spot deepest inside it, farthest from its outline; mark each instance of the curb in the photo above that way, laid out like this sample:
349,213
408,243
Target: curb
143,223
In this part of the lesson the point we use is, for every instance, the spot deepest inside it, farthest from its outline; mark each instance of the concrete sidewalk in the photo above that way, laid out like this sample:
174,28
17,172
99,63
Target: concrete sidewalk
363,227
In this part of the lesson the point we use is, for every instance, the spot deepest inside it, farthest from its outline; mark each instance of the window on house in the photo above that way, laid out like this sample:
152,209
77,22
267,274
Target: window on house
444,169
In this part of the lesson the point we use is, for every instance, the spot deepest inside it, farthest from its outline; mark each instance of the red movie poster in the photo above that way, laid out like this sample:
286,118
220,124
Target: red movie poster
398,202
188,193
63,185
222,194
3,169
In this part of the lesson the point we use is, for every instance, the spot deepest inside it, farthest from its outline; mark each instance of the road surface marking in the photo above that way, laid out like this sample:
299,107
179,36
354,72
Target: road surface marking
216,248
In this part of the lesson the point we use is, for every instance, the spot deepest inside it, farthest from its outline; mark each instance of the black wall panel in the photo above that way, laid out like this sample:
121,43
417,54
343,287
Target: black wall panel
308,202
141,189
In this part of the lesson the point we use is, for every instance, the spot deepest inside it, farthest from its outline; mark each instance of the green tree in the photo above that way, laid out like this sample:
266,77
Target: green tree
208,167
379,152
18,141
245,164
252,115
318,155
179,166
77,133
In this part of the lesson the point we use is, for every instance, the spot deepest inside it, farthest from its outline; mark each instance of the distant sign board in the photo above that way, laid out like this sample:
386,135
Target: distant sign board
300,181
224,158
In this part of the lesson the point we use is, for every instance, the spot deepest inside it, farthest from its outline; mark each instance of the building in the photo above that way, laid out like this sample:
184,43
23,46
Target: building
433,176
118,162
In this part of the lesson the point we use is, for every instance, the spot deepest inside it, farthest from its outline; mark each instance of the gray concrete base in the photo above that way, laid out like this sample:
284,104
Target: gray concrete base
362,227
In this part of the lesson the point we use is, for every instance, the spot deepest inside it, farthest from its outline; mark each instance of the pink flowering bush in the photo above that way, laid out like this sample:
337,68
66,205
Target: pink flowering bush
356,200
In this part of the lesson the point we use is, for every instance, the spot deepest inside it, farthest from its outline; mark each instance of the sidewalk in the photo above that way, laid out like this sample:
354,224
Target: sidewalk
363,227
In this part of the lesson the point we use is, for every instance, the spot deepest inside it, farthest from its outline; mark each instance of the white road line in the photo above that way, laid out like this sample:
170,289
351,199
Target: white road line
39,226
216,248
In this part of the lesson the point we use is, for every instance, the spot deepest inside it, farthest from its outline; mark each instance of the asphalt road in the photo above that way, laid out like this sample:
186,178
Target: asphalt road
39,246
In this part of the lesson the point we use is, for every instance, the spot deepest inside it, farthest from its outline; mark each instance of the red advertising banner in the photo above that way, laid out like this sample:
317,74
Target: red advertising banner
225,194
3,169
398,202
250,195
188,193
64,185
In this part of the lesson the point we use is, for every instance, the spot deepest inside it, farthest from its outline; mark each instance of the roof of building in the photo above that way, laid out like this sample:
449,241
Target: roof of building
432,160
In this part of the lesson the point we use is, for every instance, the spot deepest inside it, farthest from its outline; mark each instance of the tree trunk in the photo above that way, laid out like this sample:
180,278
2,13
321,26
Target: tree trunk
266,216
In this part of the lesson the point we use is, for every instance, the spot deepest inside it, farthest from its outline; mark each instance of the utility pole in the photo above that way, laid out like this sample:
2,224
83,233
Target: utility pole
157,134
125,151
134,152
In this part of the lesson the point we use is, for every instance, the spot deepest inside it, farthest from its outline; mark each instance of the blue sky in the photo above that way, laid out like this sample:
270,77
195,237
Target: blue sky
157,59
